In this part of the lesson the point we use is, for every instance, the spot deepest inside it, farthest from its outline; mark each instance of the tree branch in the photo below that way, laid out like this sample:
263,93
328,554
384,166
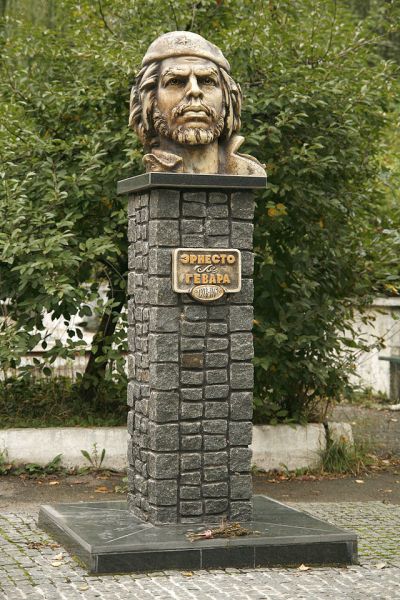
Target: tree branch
103,18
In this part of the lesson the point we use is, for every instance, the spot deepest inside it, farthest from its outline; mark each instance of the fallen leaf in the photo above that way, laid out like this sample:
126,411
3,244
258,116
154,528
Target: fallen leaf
54,483
187,573
83,588
380,565
56,563
303,568
360,481
58,556
102,490
388,491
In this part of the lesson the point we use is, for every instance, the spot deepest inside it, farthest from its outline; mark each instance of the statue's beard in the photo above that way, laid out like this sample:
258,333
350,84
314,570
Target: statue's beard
192,136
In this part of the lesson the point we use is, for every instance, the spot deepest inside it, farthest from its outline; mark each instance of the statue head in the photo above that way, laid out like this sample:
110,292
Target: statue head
184,93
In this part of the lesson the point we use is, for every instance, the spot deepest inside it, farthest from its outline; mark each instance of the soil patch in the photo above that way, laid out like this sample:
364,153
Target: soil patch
383,485
22,494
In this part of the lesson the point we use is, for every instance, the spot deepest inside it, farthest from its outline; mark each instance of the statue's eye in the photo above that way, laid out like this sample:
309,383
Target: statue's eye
175,81
208,81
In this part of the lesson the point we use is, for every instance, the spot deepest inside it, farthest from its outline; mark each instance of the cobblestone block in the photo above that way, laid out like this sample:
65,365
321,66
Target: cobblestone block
217,211
216,241
215,426
164,406
217,227
163,347
193,240
164,204
215,459
217,198
217,410
217,329
216,391
241,318
216,360
164,376
191,442
242,346
193,209
190,462
240,459
246,294
247,263
215,490
191,410
241,510
192,226
190,427
216,344
164,233
217,376
163,438
193,394
162,465
215,474
190,492
191,508
240,433
214,442
242,235
160,261
193,478
163,319
193,329
195,313
240,487
192,377
192,344
162,514
215,506
242,205
241,375
241,405
163,492
160,292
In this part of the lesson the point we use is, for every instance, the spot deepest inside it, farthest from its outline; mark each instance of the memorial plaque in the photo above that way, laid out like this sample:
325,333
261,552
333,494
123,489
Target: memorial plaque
206,273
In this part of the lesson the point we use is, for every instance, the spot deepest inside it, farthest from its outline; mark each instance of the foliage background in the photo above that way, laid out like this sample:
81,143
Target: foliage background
320,81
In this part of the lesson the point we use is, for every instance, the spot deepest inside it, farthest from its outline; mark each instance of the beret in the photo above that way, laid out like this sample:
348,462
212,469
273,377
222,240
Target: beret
184,43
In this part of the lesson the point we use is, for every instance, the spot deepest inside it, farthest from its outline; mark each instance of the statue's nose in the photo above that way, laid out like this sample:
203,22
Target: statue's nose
193,88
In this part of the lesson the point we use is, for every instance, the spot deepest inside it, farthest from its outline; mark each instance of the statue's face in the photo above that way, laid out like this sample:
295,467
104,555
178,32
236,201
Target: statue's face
189,100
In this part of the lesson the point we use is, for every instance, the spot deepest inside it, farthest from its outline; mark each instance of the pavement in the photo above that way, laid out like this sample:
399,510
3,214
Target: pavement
34,567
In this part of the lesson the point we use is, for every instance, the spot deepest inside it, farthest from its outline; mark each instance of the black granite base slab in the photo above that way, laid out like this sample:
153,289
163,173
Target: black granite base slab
108,539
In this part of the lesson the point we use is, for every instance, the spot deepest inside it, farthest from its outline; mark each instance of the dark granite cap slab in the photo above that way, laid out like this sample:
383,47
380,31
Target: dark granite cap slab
147,181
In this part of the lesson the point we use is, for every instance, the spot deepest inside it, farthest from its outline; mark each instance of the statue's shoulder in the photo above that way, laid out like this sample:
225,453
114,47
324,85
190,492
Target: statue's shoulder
241,164
160,161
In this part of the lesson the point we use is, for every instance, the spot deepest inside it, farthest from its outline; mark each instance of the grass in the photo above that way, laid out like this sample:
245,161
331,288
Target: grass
55,402
342,457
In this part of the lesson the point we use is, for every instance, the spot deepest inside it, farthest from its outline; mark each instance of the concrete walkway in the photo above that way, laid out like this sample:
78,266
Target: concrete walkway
32,566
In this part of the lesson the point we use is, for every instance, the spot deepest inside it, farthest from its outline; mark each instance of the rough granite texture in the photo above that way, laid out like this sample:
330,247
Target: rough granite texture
190,364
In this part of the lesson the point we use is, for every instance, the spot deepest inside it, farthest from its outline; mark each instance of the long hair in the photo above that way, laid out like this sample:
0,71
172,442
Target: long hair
143,100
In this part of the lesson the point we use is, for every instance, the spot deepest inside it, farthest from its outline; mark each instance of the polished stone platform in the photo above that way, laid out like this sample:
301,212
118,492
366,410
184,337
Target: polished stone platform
108,539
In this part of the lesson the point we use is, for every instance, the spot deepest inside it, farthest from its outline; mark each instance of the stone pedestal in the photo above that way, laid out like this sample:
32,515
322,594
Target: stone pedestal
190,364
190,393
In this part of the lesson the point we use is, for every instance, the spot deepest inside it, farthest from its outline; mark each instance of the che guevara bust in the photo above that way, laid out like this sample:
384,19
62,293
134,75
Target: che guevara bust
185,108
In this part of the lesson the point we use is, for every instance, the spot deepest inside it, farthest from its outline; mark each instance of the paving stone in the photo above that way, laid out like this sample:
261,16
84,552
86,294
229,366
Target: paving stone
376,523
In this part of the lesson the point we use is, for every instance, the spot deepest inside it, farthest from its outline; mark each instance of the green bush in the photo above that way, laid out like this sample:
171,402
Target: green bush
56,402
318,98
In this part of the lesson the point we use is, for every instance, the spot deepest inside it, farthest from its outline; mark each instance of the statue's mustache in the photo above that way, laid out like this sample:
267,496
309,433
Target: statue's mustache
183,107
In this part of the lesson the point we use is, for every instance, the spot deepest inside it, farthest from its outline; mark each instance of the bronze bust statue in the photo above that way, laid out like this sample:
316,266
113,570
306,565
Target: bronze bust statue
185,108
